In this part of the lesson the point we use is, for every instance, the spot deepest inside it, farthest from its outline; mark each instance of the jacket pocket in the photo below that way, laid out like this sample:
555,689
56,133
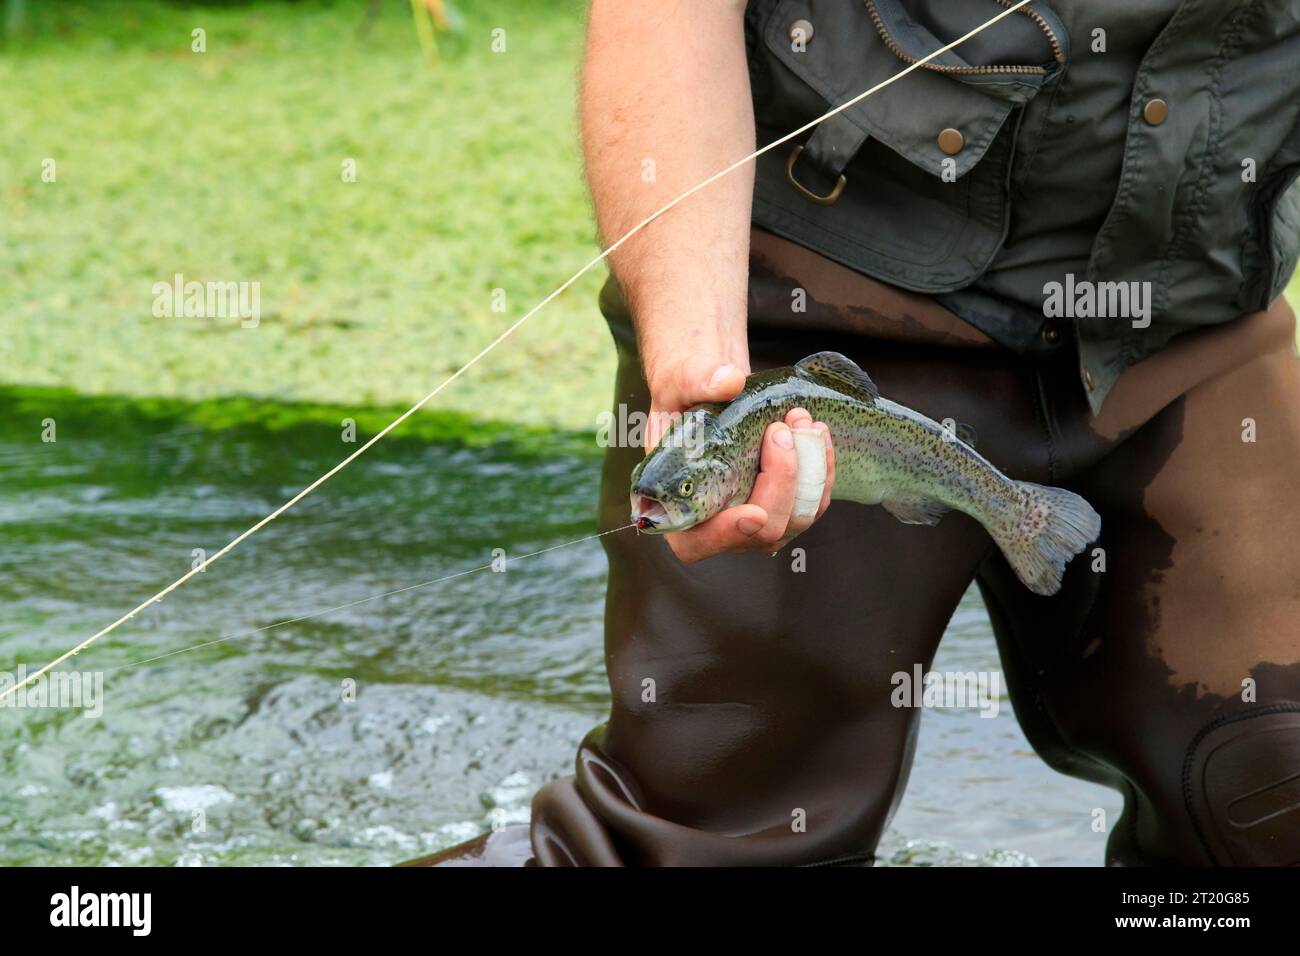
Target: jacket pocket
909,185
1284,236
1270,246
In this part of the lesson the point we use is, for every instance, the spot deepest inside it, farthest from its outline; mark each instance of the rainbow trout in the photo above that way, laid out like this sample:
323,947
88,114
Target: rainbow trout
885,454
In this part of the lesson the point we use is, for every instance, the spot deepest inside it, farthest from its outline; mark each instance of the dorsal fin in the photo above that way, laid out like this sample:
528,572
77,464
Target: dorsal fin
835,371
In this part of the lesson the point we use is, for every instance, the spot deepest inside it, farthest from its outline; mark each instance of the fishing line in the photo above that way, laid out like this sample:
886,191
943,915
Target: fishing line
501,338
365,600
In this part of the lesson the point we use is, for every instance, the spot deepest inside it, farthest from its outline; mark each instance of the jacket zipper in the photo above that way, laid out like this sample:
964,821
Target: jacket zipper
1042,24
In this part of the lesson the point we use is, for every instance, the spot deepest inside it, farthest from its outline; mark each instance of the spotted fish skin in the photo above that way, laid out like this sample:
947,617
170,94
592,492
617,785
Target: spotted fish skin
885,453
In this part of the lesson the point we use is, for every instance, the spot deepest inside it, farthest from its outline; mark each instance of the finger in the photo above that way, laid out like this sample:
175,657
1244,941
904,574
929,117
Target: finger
798,418
830,467
797,524
810,449
810,481
774,489
731,530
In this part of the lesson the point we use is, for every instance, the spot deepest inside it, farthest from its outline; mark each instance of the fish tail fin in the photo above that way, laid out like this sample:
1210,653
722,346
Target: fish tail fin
1047,528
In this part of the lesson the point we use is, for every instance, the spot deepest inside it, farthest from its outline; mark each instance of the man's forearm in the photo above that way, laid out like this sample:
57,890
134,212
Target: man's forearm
666,83
665,104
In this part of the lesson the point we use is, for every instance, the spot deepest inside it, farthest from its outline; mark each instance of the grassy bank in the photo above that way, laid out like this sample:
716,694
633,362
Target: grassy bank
227,166
24,409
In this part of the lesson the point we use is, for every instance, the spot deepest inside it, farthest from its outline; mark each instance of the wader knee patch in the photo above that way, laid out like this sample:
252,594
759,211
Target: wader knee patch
1241,780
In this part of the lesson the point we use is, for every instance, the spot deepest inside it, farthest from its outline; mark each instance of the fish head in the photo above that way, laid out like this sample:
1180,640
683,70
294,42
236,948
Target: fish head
687,479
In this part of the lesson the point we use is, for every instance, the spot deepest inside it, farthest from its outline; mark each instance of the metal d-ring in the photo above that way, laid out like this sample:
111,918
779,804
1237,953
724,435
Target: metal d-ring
808,194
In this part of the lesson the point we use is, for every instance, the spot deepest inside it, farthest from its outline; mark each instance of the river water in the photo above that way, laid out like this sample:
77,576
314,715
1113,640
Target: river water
379,731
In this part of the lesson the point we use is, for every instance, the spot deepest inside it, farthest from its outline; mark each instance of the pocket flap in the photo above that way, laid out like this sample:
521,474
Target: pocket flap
971,89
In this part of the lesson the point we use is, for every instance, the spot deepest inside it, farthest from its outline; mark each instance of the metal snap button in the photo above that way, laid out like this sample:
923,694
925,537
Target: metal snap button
1155,112
801,31
1088,380
951,141
1051,335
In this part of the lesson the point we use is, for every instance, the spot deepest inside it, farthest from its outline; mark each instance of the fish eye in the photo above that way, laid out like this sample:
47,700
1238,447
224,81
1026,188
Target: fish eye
685,488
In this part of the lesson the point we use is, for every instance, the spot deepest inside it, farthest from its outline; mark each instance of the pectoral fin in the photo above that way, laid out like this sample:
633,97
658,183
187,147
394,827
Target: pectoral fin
916,510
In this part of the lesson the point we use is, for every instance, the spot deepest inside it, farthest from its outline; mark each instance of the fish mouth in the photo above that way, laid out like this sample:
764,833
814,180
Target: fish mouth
650,516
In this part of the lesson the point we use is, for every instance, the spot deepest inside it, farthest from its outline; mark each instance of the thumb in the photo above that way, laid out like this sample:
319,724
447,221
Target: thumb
704,379
695,379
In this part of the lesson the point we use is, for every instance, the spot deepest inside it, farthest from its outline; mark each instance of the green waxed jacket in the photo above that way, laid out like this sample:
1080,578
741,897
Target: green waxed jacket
1152,145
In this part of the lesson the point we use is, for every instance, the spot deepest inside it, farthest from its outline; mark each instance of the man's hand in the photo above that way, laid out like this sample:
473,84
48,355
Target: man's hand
766,522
